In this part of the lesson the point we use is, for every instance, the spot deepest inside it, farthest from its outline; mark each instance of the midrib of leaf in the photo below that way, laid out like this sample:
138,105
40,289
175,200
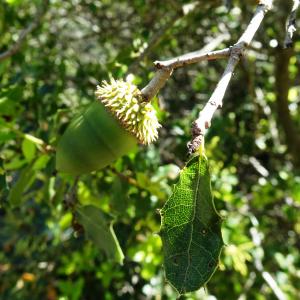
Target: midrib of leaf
193,218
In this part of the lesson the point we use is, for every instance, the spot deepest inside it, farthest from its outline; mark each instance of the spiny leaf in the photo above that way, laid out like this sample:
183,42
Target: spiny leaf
99,229
191,229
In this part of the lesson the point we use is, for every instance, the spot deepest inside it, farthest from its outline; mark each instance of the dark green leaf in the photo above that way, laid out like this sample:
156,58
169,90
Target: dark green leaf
191,229
118,195
99,229
3,182
23,183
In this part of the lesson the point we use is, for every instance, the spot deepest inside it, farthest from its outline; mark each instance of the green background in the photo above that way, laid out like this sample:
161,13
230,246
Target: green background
253,147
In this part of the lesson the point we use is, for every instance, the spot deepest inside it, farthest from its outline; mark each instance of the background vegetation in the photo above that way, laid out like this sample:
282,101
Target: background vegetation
253,147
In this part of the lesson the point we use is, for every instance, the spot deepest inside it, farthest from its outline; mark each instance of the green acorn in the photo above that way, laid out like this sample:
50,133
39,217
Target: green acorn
110,127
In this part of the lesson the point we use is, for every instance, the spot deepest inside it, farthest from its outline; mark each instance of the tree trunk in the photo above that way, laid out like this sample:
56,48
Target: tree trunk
282,86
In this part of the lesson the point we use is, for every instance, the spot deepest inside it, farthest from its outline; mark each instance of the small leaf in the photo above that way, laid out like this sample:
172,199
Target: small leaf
28,149
34,139
15,164
118,195
99,229
3,183
23,183
41,162
6,135
191,229
9,100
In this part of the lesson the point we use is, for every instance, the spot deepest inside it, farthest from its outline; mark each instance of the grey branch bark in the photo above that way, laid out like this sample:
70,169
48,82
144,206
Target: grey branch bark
291,24
203,121
165,68
256,238
34,24
156,83
191,58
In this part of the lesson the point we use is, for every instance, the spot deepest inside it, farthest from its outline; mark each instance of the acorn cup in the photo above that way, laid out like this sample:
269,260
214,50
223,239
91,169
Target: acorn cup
111,127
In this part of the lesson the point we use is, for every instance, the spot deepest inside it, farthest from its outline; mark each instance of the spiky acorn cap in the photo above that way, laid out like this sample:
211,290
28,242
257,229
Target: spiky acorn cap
125,101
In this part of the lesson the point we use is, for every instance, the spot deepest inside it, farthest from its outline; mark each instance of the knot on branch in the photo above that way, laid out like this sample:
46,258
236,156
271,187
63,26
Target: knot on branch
194,145
196,130
197,138
238,50
158,64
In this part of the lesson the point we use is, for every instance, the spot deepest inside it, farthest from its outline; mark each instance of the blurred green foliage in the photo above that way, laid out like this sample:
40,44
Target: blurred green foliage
44,250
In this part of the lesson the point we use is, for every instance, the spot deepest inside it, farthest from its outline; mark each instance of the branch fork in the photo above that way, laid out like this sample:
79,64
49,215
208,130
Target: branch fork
234,54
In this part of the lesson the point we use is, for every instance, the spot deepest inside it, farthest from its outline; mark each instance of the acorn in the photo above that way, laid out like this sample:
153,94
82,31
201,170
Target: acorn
111,127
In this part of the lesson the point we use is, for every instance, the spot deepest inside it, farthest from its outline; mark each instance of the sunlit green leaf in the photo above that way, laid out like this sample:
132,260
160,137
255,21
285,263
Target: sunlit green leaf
28,149
191,229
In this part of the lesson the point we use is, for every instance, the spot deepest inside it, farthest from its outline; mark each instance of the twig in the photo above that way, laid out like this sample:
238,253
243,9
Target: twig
203,122
291,25
191,58
34,24
165,68
256,239
248,285
156,83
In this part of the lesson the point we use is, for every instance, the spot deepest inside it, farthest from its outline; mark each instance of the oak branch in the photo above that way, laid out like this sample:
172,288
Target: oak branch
234,53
